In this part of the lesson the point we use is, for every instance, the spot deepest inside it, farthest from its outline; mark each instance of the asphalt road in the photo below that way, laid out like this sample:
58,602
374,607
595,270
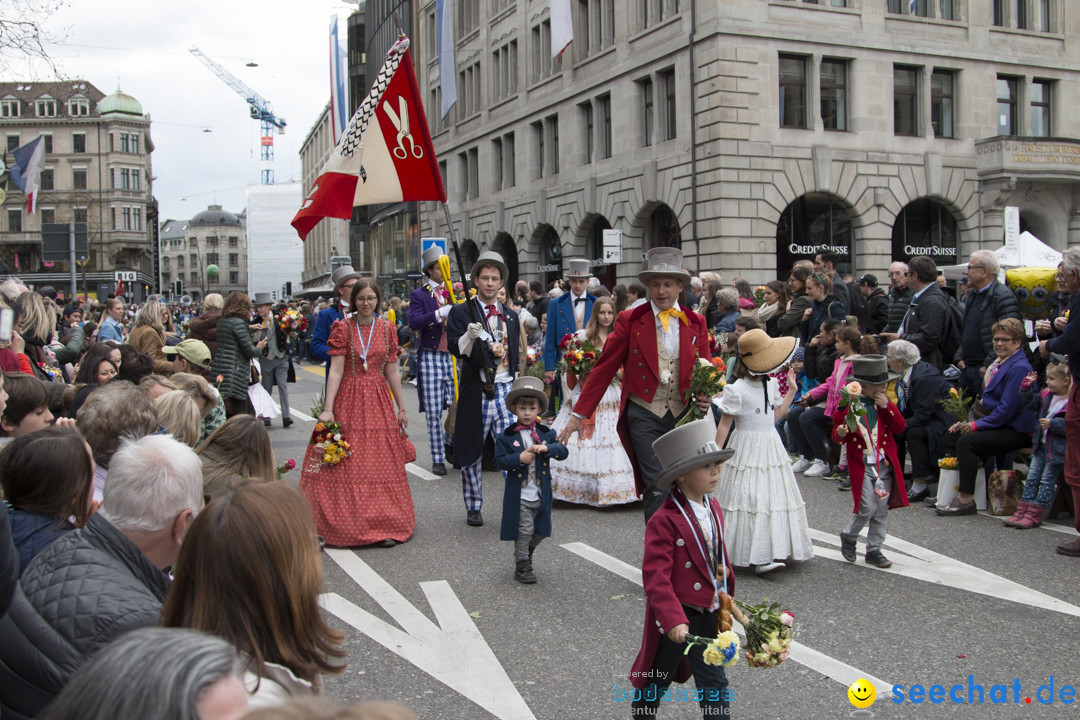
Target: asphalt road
965,597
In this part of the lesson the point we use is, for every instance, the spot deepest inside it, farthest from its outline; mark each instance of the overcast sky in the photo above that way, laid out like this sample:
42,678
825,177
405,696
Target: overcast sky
143,46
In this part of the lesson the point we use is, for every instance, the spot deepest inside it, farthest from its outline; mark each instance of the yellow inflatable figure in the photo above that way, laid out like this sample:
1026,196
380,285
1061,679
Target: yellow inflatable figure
1032,287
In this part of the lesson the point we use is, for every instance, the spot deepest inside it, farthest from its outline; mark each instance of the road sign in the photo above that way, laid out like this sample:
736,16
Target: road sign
426,243
56,241
612,246
337,261
125,276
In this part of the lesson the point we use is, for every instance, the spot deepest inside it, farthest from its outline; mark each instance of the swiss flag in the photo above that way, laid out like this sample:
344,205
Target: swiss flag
384,156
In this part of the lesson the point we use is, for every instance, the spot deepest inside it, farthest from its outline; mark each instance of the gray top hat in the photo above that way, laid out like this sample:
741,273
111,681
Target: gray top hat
430,257
579,268
263,298
489,257
343,274
663,261
687,448
527,386
872,369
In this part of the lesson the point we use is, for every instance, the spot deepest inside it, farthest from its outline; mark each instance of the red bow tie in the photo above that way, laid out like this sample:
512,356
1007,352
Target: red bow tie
493,311
531,427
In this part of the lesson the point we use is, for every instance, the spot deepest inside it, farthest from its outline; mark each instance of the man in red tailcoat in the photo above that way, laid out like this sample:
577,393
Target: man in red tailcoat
656,344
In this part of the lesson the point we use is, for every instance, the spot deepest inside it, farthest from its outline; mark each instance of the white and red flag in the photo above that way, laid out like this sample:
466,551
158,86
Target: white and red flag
26,170
384,156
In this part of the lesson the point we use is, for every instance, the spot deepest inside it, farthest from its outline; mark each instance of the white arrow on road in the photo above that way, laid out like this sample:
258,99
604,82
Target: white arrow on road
453,652
828,666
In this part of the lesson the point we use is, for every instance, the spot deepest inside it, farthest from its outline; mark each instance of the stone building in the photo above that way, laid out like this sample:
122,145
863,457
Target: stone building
97,171
754,133
192,250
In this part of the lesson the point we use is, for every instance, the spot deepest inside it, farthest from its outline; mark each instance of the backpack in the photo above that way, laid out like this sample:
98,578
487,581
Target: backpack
950,341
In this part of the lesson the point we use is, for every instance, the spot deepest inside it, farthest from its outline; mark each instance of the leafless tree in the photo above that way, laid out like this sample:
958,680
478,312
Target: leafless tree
24,38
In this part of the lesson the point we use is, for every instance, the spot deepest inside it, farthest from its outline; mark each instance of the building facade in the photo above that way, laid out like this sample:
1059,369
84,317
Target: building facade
330,238
754,133
97,171
206,254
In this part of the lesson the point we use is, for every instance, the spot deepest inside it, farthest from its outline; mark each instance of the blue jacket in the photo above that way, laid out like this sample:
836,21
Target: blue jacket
423,318
321,334
560,323
1068,342
1055,436
1001,398
508,449
33,533
726,323
110,330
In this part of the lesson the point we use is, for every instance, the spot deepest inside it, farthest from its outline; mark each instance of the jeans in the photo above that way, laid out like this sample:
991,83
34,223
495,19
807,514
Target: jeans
808,429
710,679
781,429
1042,478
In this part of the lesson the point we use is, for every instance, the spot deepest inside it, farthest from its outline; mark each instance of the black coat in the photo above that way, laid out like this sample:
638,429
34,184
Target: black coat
876,315
898,307
86,589
999,303
9,562
468,425
927,386
927,324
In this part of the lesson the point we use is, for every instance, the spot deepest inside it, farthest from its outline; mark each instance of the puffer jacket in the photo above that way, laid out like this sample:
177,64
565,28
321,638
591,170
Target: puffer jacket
86,589
830,389
899,302
1001,303
232,360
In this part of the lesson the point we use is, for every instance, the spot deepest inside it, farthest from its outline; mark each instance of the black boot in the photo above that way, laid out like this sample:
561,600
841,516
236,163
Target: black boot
523,573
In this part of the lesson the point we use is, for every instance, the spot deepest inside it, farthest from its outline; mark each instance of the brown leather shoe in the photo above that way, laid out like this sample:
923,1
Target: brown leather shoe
1071,549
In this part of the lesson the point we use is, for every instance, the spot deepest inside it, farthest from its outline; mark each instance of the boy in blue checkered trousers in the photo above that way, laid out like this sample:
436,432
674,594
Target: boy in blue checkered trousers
524,450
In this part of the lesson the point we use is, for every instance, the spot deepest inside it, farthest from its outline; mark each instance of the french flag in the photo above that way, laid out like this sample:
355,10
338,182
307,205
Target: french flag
26,169
384,156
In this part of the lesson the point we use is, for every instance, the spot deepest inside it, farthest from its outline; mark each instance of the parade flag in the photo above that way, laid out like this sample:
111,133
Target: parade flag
562,27
26,169
385,155
447,70
339,113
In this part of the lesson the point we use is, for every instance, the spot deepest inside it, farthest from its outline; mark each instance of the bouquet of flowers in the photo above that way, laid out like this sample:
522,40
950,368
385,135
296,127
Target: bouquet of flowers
849,398
579,356
328,438
285,467
957,404
720,650
768,632
531,356
291,321
948,463
717,343
707,379
759,295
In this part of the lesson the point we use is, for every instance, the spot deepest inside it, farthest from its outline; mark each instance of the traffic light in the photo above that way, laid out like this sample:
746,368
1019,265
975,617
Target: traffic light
288,288
178,288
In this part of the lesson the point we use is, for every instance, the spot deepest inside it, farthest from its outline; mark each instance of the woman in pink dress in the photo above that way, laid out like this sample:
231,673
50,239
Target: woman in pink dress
364,499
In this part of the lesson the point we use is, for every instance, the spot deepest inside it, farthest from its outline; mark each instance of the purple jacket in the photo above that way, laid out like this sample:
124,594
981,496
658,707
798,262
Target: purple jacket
422,317
1001,398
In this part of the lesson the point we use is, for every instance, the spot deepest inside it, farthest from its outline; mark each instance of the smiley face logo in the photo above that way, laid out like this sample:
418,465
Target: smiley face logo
862,693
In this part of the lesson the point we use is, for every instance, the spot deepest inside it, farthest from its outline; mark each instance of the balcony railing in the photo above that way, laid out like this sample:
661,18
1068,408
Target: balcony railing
20,238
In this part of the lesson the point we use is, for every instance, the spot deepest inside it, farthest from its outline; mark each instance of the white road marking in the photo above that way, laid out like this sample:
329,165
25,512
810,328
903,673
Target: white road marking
420,472
818,661
920,563
1066,529
302,416
453,652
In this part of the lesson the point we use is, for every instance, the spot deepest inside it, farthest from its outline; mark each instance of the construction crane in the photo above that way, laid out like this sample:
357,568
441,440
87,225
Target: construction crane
260,110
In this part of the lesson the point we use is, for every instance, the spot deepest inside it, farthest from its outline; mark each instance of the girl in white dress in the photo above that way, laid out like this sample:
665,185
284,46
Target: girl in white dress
598,471
764,514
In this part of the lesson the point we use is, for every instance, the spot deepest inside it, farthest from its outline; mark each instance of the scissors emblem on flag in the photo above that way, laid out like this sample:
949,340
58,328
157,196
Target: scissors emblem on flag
401,122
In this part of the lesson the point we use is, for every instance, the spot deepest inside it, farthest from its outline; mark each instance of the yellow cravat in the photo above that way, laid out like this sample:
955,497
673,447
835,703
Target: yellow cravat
665,316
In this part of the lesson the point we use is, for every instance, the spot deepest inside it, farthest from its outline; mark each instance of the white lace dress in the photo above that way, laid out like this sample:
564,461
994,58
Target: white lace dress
598,471
764,513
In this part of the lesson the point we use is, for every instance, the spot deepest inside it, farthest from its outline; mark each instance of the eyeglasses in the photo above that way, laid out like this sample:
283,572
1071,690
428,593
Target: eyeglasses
975,267
1005,340
367,299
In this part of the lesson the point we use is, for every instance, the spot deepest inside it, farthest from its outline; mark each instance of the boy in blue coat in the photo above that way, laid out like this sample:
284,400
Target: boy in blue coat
524,451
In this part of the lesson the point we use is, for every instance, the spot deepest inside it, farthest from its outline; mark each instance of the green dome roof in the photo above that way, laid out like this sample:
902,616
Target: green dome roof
120,102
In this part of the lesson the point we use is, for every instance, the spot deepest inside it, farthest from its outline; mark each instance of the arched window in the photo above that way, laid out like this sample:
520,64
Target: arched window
662,229
813,223
552,256
606,274
505,246
925,227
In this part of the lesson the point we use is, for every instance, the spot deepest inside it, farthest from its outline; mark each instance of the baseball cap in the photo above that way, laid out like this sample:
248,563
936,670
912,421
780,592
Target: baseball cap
194,351
868,280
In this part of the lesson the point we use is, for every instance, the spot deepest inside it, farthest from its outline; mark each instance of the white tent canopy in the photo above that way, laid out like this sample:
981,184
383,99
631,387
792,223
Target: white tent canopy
1029,251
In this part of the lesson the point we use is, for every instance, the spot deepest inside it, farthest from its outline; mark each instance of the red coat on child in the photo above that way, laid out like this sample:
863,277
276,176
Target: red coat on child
892,422
674,574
